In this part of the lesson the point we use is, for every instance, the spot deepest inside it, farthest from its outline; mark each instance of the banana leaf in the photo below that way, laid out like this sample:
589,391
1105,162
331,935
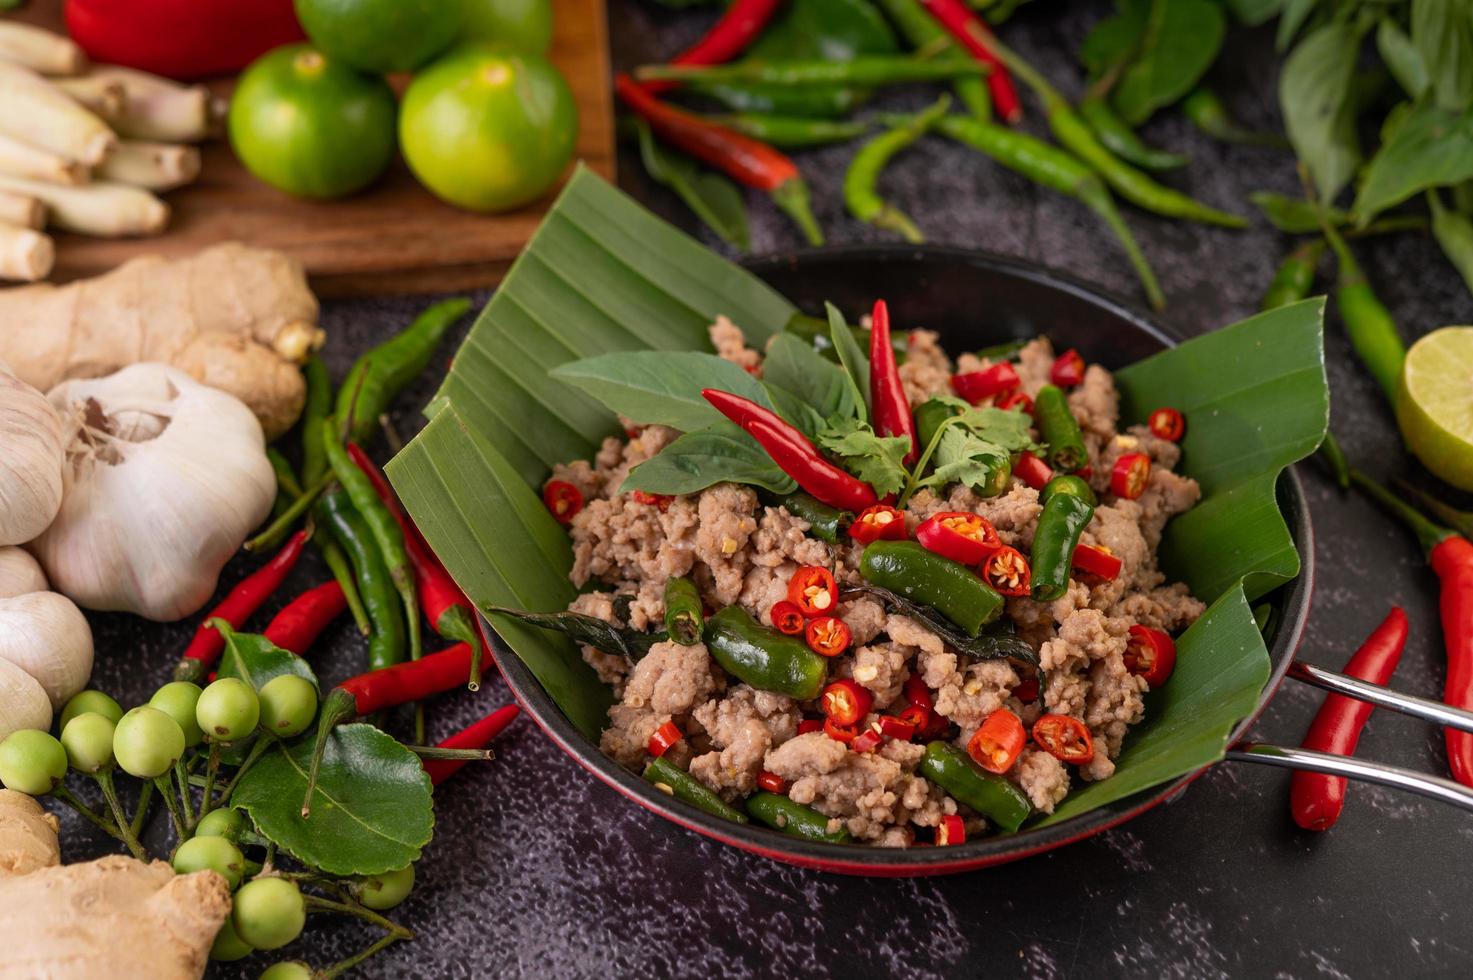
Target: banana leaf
603,274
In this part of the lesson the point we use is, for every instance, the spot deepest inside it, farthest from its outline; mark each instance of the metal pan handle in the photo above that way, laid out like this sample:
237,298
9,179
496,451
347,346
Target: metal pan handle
1433,787
1382,697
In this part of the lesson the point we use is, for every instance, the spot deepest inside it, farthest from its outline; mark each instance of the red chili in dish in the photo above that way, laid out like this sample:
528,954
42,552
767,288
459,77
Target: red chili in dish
1150,654
917,717
772,782
1097,561
996,745
1131,474
1032,471
1068,369
1065,738
659,500
951,830
867,740
897,727
787,617
990,382
1018,400
839,732
960,536
845,702
827,636
1027,691
813,590
917,693
563,499
878,523
888,404
664,737
809,725
1168,424
1007,571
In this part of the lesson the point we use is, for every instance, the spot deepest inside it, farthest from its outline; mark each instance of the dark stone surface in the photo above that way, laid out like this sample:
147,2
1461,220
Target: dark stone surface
539,870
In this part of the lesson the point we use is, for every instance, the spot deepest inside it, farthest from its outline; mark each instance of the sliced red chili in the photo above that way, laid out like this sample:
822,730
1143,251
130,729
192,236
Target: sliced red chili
1032,471
1168,424
772,782
813,590
878,523
845,702
978,386
1027,691
868,740
787,617
838,732
898,727
809,725
917,717
664,737
659,500
951,830
1015,399
1064,738
1097,561
1068,369
960,536
1150,654
996,745
917,693
827,636
562,499
937,725
1007,571
1130,476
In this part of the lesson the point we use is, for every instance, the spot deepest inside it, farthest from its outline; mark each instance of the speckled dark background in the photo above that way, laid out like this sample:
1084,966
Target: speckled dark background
539,870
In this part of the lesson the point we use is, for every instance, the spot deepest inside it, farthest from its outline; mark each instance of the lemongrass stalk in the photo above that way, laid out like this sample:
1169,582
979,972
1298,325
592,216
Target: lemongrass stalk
36,112
100,209
20,159
155,166
40,50
26,255
104,96
22,210
158,109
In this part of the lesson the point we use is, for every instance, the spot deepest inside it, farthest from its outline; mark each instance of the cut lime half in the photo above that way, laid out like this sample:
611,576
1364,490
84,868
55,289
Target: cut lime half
1434,407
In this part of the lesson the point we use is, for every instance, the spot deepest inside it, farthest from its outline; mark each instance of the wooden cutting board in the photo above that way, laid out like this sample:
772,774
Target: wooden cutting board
395,237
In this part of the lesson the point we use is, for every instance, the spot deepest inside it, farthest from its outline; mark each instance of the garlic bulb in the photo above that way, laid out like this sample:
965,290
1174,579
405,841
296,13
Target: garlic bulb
30,465
20,573
23,701
164,478
46,635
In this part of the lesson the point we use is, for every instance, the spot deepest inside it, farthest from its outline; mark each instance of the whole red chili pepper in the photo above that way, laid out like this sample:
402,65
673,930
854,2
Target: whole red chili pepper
974,35
444,604
236,608
793,453
886,391
305,617
1315,800
727,38
181,38
477,736
744,159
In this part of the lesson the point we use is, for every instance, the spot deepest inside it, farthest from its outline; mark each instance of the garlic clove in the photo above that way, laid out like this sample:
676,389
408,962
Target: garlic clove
20,573
31,465
23,701
46,635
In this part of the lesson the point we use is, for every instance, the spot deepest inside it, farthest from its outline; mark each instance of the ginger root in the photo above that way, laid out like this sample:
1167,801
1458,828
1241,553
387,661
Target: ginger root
236,318
113,917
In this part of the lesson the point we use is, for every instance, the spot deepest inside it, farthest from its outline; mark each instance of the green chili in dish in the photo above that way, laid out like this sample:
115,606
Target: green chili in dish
824,522
794,819
762,657
683,786
1064,518
930,416
908,569
683,617
1057,425
1069,483
994,797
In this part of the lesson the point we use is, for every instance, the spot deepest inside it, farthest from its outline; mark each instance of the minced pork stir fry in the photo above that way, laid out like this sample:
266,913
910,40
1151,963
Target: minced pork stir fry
957,619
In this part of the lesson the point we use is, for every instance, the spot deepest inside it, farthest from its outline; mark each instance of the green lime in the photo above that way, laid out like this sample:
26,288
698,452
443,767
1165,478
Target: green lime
311,126
381,36
523,24
1434,407
489,128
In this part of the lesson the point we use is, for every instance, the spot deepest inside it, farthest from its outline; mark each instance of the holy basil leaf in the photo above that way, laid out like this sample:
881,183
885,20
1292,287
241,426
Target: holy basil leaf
1454,232
1319,113
1402,58
1113,40
710,196
1180,43
795,365
1293,215
795,410
371,810
1296,13
1442,32
256,660
720,453
875,459
994,643
1429,147
819,30
855,364
661,387
589,630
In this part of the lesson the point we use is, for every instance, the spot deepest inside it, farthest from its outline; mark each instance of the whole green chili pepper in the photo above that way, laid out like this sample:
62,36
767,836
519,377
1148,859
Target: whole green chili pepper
316,408
862,197
385,613
1052,167
1064,518
793,819
382,372
999,479
929,418
968,783
792,132
809,101
683,786
337,563
1205,110
1121,140
866,70
683,618
1059,428
1370,326
952,589
1074,134
924,34
1295,275
762,657
824,522
1069,483
287,487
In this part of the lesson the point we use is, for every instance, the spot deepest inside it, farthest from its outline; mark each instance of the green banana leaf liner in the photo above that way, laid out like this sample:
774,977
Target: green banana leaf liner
604,274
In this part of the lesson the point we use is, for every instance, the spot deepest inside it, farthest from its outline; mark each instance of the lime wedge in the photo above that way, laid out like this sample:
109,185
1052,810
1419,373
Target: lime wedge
1434,407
